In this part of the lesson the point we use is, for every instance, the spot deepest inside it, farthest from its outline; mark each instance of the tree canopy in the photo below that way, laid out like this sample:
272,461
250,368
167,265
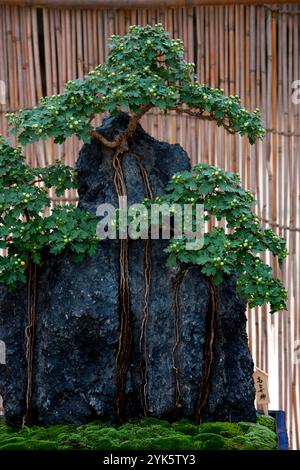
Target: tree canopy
144,69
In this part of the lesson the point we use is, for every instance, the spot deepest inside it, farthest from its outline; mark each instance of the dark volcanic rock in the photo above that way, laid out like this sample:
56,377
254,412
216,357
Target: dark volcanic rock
231,393
13,373
78,326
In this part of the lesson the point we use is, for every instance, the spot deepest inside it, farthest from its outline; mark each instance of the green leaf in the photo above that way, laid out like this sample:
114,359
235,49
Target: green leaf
171,261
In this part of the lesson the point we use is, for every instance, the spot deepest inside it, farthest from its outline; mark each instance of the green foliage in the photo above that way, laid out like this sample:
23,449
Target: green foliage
146,434
237,251
145,68
25,231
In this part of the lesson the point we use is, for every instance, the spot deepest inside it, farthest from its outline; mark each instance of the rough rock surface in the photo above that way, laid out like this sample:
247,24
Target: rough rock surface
78,317
12,332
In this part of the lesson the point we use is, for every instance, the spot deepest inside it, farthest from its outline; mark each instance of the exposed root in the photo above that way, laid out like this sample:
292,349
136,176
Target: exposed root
209,353
125,337
177,285
119,180
30,337
145,176
143,344
147,277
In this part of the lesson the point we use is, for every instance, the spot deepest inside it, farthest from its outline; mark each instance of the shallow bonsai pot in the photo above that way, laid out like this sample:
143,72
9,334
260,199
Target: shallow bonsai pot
282,437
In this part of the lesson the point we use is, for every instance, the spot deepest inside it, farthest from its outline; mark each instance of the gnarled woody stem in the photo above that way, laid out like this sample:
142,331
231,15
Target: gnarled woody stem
121,138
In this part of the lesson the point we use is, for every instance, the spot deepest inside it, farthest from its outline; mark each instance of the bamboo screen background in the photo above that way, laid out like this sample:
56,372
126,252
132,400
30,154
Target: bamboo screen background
252,51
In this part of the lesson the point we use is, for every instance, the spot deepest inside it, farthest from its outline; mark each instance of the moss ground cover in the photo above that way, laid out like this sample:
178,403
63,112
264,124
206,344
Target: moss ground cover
146,434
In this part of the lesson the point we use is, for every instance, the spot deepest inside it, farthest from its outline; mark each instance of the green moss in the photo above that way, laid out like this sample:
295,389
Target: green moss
251,441
267,421
173,442
210,441
186,427
223,429
147,422
256,437
147,434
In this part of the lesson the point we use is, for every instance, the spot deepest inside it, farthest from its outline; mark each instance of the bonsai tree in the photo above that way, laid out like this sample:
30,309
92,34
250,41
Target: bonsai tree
145,69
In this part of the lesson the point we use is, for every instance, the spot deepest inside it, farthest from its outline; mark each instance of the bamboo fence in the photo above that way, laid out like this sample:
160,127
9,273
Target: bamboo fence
251,51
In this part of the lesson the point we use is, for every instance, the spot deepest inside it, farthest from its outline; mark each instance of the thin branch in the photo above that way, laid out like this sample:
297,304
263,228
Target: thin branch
281,227
200,115
103,140
39,180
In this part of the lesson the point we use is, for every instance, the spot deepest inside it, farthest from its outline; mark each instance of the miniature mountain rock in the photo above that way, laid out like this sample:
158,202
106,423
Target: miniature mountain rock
78,317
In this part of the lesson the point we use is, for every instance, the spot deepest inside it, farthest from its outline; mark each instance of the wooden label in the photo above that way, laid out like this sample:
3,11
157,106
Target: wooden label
261,387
